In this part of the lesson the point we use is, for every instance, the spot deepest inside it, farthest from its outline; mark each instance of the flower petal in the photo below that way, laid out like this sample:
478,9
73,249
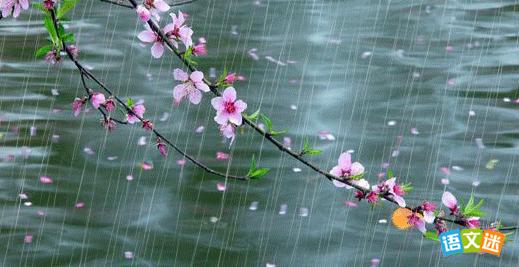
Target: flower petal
161,6
221,118
345,161
362,183
357,168
240,106
24,4
449,200
147,36
202,87
428,216
420,225
217,103
195,97
229,95
338,183
180,75
179,92
235,118
399,200
197,76
337,171
157,50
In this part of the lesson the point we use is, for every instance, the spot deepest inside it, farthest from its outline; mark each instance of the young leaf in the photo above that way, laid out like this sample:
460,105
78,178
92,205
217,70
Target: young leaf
276,133
407,187
252,116
49,25
258,173
357,177
68,37
308,150
129,102
65,7
390,174
42,51
431,235
254,172
267,122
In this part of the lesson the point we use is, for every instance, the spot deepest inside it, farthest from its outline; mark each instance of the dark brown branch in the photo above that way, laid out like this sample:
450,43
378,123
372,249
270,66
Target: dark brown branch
120,3
88,74
267,135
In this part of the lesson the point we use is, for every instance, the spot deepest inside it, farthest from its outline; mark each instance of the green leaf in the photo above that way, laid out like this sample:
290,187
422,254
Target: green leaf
65,7
356,177
390,174
258,173
49,25
253,116
471,210
276,133
68,37
267,122
308,150
129,102
407,187
254,172
188,53
432,235
42,51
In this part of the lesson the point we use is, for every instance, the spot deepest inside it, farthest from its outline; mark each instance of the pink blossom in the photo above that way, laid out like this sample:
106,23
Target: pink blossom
149,36
191,86
161,147
49,4
52,57
79,205
417,222
110,104
372,197
450,202
137,111
228,131
27,239
156,6
109,124
45,180
222,156
74,51
428,211
178,31
360,195
200,49
77,105
472,222
393,188
143,13
97,99
230,78
147,166
147,125
346,169
13,6
228,109
221,187
440,226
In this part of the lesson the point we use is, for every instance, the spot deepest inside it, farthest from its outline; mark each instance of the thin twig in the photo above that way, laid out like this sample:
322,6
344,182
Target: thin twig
89,75
153,25
119,3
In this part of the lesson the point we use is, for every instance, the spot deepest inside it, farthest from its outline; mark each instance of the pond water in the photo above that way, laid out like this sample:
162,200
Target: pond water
428,87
